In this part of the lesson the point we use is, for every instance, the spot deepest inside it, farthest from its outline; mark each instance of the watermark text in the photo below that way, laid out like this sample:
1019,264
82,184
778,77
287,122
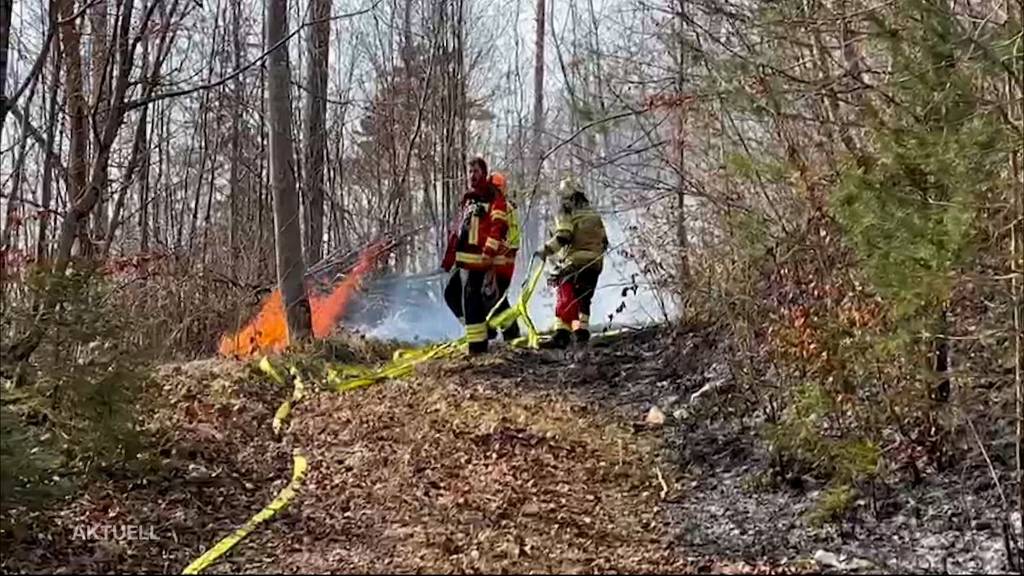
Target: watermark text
114,532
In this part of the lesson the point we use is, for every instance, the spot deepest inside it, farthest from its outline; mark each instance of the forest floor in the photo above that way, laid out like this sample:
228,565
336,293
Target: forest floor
525,461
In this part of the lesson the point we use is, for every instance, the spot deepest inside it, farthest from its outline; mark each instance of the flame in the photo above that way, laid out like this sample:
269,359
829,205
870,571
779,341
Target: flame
268,331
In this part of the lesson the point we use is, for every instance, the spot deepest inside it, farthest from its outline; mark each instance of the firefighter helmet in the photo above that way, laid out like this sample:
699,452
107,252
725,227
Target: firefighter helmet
498,179
569,187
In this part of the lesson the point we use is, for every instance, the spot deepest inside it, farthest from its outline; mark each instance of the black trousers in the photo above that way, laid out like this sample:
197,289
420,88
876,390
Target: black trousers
464,296
512,332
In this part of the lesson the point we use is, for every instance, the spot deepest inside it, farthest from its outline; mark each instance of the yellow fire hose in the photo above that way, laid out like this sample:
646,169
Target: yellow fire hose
347,377
298,392
284,497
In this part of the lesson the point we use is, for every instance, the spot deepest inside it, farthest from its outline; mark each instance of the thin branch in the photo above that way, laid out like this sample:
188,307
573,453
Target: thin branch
221,81
45,50
34,133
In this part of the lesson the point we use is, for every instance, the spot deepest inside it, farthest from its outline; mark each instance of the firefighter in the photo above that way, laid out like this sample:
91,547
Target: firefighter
482,231
505,261
580,242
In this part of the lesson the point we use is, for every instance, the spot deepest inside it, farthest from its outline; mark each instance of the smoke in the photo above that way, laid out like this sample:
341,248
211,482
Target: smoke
407,310
413,310
423,324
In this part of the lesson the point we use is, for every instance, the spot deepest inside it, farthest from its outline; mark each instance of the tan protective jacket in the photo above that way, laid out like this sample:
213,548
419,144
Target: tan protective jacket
580,239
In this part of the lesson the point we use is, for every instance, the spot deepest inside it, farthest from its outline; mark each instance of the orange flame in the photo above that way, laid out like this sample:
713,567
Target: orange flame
268,331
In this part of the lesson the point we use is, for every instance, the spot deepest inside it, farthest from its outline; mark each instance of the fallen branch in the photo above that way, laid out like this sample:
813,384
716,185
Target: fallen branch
661,479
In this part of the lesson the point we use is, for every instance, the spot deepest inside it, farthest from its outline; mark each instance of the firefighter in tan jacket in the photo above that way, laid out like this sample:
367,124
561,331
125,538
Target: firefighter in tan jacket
579,243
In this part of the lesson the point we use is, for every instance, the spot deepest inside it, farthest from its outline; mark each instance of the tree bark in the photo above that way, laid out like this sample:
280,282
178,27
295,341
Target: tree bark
290,267
42,241
77,111
143,216
682,236
234,187
1016,109
6,7
99,89
532,228
315,140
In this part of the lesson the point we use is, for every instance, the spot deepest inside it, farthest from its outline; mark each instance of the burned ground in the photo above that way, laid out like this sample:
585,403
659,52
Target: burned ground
524,462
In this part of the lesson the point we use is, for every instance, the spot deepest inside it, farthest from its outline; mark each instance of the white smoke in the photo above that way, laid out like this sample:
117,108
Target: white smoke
413,314
416,313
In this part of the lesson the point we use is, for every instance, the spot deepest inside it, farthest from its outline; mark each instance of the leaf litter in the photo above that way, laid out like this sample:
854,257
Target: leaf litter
522,462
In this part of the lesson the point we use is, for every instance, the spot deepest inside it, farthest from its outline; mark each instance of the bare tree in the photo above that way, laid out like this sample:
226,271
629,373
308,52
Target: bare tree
98,55
316,121
77,111
6,7
681,233
288,235
84,187
238,96
537,136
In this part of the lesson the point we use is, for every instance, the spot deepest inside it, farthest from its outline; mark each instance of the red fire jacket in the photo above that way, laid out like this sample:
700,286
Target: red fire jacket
477,243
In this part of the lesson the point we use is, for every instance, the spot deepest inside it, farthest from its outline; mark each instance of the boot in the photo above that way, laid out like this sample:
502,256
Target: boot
511,333
492,334
559,341
582,335
478,347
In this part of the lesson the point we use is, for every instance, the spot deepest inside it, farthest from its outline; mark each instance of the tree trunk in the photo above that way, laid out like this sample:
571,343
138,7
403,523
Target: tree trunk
161,190
206,152
42,248
146,162
682,237
6,7
138,152
315,140
1017,255
290,268
1016,110
77,111
234,191
531,233
99,54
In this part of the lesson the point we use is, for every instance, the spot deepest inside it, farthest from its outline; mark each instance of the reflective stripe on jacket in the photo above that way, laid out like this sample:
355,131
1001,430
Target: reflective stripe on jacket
483,232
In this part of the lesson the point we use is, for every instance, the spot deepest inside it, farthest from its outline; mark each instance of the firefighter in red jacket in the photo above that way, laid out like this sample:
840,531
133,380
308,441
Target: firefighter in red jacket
477,241
505,261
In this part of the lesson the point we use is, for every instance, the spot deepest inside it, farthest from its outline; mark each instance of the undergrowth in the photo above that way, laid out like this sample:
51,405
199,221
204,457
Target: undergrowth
849,298
70,414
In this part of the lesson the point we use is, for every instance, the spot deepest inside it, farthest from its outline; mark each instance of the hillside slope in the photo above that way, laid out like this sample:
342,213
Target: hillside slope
523,461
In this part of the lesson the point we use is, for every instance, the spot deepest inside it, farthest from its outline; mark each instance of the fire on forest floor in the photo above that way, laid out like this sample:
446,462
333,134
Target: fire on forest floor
267,332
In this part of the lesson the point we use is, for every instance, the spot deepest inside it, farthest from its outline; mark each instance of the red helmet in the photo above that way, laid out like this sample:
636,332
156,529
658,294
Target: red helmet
498,179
